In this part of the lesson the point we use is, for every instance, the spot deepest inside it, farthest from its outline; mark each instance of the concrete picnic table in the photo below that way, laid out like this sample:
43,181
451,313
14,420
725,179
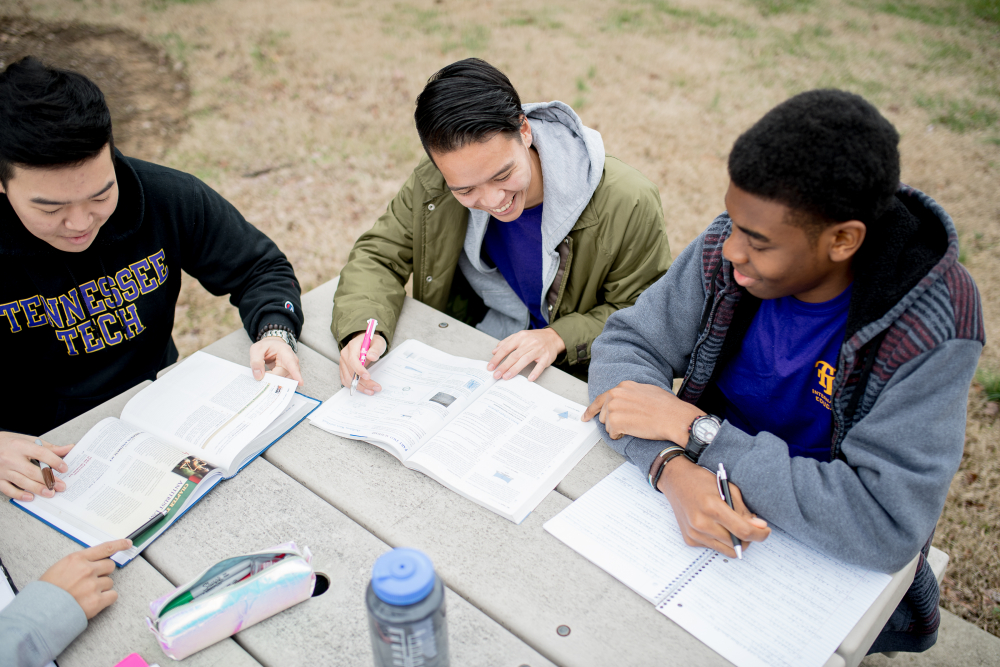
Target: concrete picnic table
510,587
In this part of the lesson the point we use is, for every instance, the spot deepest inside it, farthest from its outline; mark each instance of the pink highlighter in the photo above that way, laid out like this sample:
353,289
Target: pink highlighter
366,343
133,660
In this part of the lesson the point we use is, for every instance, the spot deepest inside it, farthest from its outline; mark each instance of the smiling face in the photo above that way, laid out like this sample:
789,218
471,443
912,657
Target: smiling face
772,258
502,175
65,206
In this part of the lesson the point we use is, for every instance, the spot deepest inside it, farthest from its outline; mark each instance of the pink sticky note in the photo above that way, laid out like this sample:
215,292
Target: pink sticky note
134,660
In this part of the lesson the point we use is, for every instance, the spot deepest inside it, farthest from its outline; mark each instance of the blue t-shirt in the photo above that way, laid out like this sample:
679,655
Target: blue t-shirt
781,380
515,248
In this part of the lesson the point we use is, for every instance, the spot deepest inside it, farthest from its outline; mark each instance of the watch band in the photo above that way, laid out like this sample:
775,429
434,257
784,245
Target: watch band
279,331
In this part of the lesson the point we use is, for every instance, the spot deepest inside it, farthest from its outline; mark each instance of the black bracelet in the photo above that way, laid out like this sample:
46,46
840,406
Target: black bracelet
274,327
670,457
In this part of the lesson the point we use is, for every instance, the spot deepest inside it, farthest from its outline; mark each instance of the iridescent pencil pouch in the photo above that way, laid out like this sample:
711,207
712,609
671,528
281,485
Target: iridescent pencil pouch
229,596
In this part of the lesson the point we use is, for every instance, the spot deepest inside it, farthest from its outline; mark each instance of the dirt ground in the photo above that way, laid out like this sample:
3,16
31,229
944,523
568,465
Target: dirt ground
300,113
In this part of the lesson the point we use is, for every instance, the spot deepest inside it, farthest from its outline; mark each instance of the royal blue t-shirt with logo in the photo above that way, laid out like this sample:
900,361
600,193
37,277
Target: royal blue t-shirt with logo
781,380
515,248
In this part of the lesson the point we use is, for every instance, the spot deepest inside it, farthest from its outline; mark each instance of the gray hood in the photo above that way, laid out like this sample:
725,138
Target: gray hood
572,158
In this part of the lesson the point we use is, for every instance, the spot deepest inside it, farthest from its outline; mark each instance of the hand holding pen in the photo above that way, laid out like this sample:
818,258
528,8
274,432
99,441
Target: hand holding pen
351,366
23,459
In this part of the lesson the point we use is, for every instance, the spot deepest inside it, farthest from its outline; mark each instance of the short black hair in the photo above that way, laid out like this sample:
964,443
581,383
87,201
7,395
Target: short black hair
827,154
49,117
466,102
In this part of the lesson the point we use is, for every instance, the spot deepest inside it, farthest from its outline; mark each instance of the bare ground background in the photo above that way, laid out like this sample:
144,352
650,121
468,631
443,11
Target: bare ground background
300,113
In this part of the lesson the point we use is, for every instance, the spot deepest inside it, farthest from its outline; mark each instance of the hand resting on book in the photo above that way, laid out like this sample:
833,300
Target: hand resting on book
19,477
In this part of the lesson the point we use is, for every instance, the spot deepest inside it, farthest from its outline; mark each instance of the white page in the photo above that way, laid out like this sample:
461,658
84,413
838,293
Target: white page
422,390
796,604
629,533
118,478
210,407
783,604
509,446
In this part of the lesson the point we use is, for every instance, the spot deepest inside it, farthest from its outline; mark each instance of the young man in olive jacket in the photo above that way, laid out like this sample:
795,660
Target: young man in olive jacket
515,222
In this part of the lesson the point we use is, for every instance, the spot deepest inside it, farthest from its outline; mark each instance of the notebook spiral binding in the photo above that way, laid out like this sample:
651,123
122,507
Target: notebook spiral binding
686,576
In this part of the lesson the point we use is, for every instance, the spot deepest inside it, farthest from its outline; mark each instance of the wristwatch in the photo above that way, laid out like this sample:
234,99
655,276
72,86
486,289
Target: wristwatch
286,336
701,433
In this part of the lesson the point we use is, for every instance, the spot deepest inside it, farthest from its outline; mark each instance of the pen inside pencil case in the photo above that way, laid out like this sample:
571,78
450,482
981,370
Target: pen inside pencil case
222,575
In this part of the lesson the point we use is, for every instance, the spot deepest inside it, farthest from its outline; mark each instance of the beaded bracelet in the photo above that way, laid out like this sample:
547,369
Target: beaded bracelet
274,327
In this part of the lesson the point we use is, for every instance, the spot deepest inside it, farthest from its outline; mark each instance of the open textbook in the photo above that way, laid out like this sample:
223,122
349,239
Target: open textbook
501,443
200,423
784,604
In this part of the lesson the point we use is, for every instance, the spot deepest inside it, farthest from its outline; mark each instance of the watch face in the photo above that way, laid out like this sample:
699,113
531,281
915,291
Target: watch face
704,429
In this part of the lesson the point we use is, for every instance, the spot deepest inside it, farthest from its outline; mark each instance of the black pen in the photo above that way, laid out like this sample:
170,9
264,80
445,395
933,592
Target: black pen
146,526
723,482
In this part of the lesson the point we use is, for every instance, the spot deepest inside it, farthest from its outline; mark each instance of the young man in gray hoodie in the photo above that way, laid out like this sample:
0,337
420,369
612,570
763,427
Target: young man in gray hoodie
516,222
826,336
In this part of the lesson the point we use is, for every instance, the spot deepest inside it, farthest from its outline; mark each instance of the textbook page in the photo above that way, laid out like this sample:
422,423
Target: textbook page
784,604
210,407
120,477
422,390
509,448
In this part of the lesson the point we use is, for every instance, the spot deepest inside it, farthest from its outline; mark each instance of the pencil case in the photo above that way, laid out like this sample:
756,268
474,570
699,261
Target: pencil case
229,596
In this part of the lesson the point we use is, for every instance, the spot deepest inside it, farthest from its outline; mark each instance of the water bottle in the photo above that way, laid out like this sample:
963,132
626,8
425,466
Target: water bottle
406,614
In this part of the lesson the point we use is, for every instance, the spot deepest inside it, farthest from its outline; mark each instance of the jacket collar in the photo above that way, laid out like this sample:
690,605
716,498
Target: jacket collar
17,241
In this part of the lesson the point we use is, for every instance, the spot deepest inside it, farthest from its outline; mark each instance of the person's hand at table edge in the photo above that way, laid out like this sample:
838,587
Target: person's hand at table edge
702,515
20,479
644,411
274,355
85,575
350,362
513,353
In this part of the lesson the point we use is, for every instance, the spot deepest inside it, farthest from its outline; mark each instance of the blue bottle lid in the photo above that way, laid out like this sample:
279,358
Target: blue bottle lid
402,576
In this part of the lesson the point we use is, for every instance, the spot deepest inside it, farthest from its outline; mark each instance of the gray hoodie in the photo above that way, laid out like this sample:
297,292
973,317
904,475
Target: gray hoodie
38,625
572,158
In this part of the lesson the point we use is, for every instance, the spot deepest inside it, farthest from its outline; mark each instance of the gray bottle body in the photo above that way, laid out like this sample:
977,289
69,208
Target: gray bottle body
414,635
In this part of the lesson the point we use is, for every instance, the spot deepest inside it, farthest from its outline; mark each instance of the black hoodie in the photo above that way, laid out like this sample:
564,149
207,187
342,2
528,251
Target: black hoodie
79,328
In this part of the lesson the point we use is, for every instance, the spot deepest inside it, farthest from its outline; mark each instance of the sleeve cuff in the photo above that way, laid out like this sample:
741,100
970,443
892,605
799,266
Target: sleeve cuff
45,620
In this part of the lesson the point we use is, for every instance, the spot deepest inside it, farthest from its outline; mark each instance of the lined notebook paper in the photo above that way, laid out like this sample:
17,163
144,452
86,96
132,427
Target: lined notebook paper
783,604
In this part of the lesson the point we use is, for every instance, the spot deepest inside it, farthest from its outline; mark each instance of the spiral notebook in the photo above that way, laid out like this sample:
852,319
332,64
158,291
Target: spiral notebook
783,604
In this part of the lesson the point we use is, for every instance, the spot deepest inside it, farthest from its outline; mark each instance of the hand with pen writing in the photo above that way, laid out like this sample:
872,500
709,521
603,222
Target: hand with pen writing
350,362
19,477
702,515
86,576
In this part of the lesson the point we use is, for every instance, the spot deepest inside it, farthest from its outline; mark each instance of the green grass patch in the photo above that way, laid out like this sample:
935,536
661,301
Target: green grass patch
950,52
771,7
625,19
542,19
946,13
958,115
990,382
160,5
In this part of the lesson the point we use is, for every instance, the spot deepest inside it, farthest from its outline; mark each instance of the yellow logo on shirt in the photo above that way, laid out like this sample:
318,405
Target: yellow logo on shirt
825,373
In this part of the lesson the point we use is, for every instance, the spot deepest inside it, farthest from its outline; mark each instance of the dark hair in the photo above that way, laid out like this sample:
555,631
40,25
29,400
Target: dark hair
49,117
827,154
465,102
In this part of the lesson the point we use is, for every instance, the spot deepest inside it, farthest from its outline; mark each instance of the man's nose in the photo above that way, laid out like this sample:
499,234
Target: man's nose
496,198
733,251
77,218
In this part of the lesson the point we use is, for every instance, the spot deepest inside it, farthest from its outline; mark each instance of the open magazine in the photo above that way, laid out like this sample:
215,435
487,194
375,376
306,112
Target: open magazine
501,443
176,439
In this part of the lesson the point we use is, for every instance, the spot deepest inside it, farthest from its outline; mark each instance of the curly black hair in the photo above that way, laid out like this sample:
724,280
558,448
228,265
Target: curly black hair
827,154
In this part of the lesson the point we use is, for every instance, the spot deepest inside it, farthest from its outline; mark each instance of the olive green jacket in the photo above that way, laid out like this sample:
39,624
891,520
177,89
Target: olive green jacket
617,248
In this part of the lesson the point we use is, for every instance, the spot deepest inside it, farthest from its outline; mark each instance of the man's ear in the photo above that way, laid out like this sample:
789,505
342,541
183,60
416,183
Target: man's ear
525,130
846,239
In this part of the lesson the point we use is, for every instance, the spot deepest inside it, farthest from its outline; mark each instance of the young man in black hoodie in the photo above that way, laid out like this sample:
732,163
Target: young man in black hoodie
92,245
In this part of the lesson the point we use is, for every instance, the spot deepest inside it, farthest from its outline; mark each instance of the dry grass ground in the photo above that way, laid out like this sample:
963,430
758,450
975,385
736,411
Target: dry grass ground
300,113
